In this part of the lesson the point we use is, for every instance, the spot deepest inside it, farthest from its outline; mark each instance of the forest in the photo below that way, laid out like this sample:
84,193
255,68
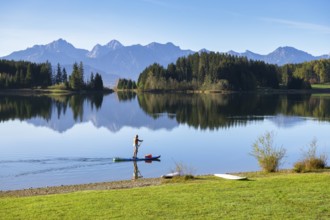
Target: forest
199,71
217,71
124,84
314,72
22,74
210,71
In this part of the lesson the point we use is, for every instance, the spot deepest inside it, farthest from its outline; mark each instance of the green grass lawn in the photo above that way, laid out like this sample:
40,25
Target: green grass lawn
279,196
321,86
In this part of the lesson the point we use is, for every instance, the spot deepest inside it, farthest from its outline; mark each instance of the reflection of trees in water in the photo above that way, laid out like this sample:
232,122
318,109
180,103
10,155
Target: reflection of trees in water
204,111
198,110
26,107
126,96
212,111
315,106
76,103
96,101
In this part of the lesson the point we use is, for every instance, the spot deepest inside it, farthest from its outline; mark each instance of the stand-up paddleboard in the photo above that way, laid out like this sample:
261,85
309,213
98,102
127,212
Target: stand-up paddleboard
121,159
230,177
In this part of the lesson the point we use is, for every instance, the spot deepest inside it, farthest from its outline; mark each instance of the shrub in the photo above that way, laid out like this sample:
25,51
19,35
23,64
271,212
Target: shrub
268,156
310,160
185,173
183,170
188,177
299,167
61,86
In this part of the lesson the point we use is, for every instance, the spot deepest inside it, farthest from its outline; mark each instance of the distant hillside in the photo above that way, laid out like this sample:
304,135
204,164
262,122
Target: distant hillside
281,56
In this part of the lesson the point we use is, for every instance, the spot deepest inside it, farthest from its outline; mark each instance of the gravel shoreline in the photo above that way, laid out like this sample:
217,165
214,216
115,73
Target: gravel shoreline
81,187
126,184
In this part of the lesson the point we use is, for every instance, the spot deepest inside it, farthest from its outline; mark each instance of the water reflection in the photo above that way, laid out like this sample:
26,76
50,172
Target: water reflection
126,96
156,111
212,111
136,172
82,153
27,107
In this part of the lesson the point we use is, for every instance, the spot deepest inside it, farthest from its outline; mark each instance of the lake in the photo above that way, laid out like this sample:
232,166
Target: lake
61,140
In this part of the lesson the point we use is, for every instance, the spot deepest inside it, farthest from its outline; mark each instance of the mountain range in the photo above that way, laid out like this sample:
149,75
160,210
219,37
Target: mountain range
281,56
114,60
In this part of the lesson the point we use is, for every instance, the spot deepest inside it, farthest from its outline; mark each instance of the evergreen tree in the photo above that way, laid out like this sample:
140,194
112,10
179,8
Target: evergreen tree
16,78
21,77
81,74
98,82
28,78
47,74
126,84
75,78
64,75
58,76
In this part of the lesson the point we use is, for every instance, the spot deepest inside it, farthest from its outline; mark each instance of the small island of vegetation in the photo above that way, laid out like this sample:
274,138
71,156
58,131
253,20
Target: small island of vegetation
28,75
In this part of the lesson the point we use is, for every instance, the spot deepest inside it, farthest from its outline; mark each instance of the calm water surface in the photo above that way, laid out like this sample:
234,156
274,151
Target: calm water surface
72,139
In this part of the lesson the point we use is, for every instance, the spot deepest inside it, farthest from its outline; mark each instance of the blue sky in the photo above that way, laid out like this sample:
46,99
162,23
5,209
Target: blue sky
219,25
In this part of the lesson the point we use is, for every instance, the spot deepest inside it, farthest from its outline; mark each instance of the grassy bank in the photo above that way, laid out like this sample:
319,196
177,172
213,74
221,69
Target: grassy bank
321,86
50,91
316,88
276,196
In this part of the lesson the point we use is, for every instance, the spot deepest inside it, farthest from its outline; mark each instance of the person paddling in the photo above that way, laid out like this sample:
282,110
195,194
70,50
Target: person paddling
136,145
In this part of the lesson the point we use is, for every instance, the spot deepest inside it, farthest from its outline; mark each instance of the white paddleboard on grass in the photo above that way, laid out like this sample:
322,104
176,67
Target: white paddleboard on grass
230,177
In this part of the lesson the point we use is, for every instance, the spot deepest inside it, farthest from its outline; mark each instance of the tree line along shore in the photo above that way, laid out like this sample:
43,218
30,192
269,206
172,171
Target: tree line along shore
223,72
199,72
22,75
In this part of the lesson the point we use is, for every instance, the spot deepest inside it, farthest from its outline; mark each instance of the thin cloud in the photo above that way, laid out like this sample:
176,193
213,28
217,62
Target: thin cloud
300,25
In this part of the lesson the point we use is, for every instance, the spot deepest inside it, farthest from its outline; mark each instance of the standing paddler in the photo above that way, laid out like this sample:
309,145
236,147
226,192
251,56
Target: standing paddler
136,145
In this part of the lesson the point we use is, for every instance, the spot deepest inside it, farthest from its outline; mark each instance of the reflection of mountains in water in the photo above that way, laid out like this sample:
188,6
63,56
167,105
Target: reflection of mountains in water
283,121
111,115
163,111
